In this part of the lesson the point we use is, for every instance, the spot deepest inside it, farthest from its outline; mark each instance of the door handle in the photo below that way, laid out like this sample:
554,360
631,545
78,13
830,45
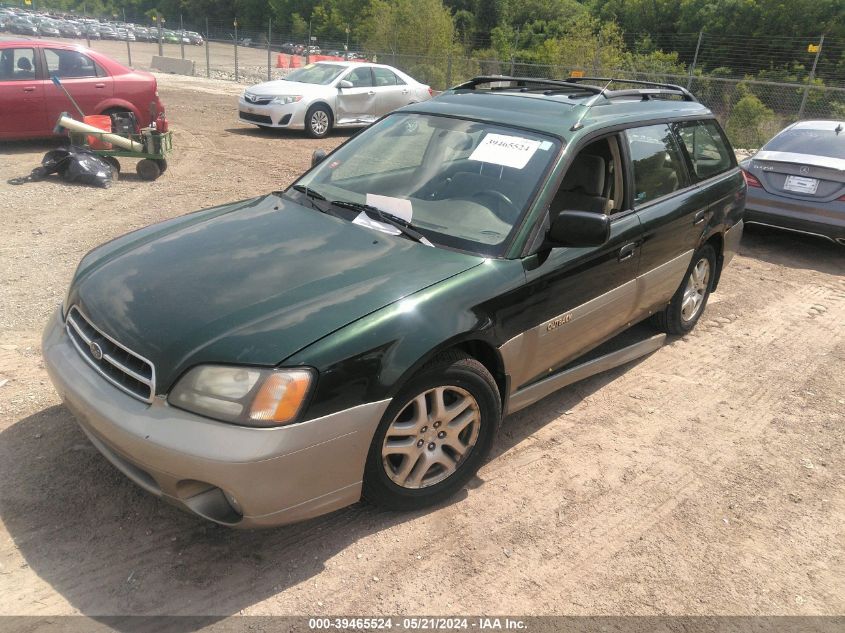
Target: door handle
627,251
29,89
371,92
99,85
405,91
699,217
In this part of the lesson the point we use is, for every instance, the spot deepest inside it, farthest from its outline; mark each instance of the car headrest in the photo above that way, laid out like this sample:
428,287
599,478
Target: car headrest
586,173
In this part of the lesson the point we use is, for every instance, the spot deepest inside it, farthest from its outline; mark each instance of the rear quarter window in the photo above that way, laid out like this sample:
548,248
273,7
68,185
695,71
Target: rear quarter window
708,152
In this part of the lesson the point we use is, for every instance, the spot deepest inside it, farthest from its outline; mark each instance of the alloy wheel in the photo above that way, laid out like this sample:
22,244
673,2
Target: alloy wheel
319,122
698,283
431,437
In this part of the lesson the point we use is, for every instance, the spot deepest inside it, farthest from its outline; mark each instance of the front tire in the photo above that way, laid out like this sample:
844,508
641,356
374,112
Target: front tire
318,121
689,301
435,434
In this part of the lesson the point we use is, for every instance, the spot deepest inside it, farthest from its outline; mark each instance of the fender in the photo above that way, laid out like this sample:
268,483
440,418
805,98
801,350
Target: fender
372,358
114,102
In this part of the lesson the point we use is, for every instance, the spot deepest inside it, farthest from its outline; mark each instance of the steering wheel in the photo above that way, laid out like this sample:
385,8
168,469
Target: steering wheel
503,207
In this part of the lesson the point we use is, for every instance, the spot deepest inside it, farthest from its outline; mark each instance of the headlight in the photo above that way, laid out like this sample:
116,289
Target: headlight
286,99
243,395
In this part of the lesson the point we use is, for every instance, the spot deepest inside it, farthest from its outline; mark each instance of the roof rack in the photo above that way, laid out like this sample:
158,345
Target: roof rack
659,89
575,84
524,82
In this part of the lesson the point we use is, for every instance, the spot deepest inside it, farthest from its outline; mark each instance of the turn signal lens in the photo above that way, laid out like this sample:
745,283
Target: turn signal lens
280,397
751,180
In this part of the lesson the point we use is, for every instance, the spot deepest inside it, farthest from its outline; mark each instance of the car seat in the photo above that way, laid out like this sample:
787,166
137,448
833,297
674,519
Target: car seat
582,188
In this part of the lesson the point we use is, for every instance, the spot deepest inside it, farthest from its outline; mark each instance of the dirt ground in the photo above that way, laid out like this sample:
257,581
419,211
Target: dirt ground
706,478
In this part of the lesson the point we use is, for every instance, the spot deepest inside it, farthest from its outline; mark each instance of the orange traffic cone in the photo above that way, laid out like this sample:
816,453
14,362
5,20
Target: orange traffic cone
295,61
281,61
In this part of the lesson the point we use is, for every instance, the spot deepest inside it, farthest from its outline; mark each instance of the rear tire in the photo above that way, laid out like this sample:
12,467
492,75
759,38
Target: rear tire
689,301
318,121
435,434
148,169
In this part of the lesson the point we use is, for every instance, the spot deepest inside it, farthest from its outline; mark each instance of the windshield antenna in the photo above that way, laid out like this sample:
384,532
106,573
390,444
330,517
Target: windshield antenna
589,104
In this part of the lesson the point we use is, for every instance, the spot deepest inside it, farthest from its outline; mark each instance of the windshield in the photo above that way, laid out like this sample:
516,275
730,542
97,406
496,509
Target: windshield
316,74
463,184
820,142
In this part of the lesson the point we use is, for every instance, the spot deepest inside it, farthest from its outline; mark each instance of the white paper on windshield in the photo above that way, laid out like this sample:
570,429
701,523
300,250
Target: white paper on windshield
399,207
501,149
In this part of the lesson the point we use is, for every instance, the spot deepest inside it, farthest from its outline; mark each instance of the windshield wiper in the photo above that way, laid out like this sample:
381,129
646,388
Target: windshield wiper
312,196
404,227
309,192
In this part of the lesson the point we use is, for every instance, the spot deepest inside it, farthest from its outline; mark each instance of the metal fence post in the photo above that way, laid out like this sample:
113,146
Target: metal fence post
207,62
449,70
181,36
810,78
597,57
694,58
160,47
236,48
87,34
128,49
269,39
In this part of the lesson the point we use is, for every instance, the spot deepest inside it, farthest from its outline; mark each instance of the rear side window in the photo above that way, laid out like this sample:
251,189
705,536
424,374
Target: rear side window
17,64
68,64
656,159
385,77
706,147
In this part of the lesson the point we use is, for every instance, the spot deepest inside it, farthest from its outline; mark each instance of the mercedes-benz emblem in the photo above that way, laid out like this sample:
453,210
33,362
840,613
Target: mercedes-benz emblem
96,350
804,170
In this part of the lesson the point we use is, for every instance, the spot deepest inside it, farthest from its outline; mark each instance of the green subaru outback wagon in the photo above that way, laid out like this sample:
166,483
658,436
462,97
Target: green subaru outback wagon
363,332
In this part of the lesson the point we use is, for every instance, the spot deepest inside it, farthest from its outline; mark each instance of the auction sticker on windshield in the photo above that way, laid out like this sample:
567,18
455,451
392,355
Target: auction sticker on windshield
501,149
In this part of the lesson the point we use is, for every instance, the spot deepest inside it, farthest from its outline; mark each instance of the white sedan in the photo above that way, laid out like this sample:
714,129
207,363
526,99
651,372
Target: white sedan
326,95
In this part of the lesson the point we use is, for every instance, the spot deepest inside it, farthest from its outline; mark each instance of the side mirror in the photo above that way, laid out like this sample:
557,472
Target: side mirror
318,156
579,228
344,83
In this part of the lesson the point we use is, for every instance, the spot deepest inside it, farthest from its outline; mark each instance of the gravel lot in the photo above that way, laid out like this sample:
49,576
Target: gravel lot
707,478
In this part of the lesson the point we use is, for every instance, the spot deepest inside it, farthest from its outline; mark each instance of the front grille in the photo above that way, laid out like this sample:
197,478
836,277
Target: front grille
257,118
256,100
122,367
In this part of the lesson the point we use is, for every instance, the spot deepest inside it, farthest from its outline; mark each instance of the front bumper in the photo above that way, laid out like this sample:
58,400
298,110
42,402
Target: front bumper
290,116
275,476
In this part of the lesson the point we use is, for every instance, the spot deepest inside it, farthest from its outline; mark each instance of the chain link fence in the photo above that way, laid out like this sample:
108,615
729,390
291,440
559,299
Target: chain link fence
755,87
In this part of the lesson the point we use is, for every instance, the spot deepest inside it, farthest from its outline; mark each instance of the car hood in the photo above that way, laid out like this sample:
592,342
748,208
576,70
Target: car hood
282,87
252,282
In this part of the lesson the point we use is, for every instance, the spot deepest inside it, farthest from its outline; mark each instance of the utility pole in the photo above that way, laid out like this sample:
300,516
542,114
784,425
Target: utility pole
694,58
181,36
811,77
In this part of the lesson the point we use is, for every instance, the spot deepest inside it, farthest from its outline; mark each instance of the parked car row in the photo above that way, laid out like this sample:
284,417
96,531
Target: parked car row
32,24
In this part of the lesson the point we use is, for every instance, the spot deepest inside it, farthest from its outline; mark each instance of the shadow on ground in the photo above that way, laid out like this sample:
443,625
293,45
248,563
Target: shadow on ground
794,250
111,549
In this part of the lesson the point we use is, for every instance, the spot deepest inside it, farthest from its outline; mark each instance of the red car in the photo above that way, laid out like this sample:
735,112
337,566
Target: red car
30,103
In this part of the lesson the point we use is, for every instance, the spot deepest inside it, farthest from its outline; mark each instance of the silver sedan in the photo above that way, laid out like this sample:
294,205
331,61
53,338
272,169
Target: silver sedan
797,180
327,95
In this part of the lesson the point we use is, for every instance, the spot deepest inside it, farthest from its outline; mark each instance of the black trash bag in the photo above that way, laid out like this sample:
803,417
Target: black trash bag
75,164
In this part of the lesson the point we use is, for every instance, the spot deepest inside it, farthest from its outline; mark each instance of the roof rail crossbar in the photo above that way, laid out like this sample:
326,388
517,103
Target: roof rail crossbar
525,82
663,88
